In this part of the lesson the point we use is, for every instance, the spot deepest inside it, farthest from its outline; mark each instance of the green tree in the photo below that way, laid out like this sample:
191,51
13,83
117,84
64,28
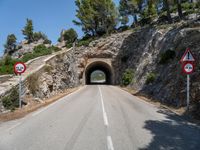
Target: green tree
131,8
69,36
96,16
10,44
39,35
167,8
179,8
28,31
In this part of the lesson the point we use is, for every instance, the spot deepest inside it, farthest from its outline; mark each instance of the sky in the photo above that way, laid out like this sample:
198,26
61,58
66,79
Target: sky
49,16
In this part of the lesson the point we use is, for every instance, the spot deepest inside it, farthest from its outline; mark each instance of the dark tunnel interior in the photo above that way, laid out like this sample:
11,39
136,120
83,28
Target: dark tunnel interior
101,66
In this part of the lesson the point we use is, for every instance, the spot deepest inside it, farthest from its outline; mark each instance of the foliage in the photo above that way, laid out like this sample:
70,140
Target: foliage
85,41
39,35
96,17
6,65
28,31
12,100
150,78
54,49
127,77
70,35
130,8
166,56
10,44
38,51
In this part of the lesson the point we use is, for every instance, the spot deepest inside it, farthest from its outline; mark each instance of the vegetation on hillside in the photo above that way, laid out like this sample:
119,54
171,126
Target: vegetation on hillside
11,101
7,63
96,17
127,77
69,36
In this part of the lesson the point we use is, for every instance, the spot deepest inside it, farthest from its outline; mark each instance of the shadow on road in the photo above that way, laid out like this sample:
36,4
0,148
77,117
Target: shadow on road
174,133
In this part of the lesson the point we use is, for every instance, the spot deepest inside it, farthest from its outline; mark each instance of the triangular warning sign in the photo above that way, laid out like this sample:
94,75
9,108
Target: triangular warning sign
187,56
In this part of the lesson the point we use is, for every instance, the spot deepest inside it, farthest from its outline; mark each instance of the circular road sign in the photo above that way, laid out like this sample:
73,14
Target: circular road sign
19,68
188,68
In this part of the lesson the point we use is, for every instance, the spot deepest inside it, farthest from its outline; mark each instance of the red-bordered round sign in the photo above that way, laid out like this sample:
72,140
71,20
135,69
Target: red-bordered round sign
19,68
188,67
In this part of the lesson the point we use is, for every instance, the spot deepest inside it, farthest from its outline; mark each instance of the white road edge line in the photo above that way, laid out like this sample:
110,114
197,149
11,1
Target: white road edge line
105,118
11,128
110,143
47,107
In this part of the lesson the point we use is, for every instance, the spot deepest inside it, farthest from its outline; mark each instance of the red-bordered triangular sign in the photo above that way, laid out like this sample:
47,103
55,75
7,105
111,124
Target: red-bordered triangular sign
188,56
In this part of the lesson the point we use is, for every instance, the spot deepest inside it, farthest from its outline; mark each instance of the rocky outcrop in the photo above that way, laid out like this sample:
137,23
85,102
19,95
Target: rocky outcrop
141,50
25,47
59,73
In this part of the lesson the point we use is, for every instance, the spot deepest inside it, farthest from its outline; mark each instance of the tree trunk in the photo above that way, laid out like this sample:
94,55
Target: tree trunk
135,19
180,13
168,11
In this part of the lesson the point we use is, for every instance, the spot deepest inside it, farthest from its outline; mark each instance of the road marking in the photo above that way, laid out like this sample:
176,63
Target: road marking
11,128
54,103
105,118
110,143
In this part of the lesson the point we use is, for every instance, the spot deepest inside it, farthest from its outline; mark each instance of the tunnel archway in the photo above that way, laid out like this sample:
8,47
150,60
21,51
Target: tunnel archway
98,66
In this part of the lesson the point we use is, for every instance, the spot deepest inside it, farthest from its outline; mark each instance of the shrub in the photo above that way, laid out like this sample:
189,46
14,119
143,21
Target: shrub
6,65
55,49
85,42
39,35
150,78
11,101
166,56
127,77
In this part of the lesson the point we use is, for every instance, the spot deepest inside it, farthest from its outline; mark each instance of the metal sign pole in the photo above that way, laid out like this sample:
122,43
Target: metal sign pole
188,92
20,91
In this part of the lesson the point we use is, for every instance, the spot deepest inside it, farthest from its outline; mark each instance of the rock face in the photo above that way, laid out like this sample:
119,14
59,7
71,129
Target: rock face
142,51
58,74
25,47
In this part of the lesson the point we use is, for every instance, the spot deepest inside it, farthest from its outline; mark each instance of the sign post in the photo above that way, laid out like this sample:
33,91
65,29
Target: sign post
188,67
20,68
188,92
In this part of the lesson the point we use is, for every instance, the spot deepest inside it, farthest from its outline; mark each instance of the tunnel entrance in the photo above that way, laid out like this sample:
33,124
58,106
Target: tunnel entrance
98,73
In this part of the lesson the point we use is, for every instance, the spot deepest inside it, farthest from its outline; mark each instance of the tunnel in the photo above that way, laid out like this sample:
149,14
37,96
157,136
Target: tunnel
100,67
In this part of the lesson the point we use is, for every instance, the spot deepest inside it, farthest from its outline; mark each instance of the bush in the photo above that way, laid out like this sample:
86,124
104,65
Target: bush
11,101
166,56
6,65
127,77
85,42
150,78
55,49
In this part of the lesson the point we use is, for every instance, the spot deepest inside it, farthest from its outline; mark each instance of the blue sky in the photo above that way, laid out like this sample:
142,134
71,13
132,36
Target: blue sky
49,16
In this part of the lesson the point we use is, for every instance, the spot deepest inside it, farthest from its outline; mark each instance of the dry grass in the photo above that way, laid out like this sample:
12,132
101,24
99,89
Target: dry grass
33,83
33,106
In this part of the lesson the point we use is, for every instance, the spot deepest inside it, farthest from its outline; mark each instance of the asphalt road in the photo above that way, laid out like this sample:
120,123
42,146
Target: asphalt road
100,118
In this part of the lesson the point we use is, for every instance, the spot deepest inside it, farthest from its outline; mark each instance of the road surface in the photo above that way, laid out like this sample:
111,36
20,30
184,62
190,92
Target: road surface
100,118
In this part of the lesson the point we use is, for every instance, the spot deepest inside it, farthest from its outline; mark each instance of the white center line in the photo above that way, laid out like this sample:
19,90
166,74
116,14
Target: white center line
109,139
110,143
103,108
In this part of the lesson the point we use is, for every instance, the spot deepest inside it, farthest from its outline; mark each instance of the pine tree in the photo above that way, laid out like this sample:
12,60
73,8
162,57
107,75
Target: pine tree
28,31
10,45
96,16
130,8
